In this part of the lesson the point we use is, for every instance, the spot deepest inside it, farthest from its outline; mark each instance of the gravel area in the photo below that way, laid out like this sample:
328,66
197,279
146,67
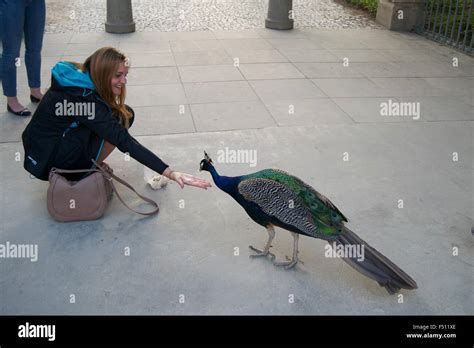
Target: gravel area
190,15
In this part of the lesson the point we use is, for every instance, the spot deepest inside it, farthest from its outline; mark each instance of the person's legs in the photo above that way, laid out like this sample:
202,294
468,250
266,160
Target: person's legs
2,20
12,31
34,31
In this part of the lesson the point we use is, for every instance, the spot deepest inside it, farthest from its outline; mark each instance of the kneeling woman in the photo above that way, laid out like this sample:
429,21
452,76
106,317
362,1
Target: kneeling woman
83,116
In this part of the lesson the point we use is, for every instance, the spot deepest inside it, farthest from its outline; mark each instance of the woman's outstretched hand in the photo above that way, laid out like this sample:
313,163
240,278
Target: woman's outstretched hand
186,179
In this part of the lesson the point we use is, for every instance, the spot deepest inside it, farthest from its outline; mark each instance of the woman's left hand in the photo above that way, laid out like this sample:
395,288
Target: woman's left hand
188,179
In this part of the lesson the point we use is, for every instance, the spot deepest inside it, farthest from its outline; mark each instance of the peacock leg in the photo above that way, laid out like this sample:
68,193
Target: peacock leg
266,250
292,263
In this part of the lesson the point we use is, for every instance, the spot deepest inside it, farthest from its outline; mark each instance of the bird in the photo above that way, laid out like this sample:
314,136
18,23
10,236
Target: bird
274,198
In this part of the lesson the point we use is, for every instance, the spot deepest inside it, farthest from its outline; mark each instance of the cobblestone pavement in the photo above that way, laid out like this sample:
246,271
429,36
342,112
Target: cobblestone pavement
191,15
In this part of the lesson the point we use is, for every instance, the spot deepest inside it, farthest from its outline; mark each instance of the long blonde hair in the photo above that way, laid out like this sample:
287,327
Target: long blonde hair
101,66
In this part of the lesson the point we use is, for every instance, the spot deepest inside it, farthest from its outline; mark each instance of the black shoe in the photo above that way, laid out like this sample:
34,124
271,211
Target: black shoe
24,112
34,99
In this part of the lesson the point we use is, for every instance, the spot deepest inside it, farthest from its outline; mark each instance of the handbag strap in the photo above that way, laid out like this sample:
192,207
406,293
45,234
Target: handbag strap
109,176
57,170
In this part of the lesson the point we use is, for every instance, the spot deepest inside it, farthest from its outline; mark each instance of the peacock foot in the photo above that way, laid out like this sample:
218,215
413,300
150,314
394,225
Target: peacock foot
288,264
260,253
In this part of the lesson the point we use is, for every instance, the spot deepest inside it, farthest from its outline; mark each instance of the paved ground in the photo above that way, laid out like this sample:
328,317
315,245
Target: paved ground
189,15
190,251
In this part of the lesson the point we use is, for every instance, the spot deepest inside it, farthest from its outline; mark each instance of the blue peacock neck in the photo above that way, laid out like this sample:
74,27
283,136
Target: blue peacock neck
225,183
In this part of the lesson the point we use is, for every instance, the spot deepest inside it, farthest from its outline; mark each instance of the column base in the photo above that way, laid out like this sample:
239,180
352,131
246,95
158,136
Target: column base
279,25
120,28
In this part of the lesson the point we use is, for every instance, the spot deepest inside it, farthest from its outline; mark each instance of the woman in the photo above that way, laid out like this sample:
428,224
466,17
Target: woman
18,17
83,116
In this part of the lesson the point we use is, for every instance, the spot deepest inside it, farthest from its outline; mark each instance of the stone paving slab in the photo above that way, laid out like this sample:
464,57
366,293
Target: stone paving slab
256,56
266,71
329,70
231,116
210,73
350,87
150,95
307,112
303,55
211,57
269,90
224,91
150,76
166,119
367,110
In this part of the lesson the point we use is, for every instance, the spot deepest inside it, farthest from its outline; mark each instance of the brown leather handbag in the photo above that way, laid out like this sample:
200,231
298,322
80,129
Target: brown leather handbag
88,198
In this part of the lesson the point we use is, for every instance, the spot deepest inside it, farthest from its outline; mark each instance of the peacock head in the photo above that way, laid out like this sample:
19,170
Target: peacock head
206,163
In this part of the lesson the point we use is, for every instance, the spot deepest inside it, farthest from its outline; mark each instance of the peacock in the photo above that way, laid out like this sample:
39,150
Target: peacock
273,198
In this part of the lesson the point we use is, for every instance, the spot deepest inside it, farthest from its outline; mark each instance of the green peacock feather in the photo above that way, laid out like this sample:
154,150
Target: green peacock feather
325,214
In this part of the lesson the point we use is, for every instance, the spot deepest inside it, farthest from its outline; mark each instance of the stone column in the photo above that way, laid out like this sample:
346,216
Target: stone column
119,17
279,16
400,15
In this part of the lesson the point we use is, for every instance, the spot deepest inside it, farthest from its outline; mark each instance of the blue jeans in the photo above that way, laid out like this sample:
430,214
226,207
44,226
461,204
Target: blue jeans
18,17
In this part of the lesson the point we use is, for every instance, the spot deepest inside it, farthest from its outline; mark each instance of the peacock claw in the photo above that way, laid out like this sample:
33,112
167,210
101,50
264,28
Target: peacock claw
287,265
297,261
260,253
